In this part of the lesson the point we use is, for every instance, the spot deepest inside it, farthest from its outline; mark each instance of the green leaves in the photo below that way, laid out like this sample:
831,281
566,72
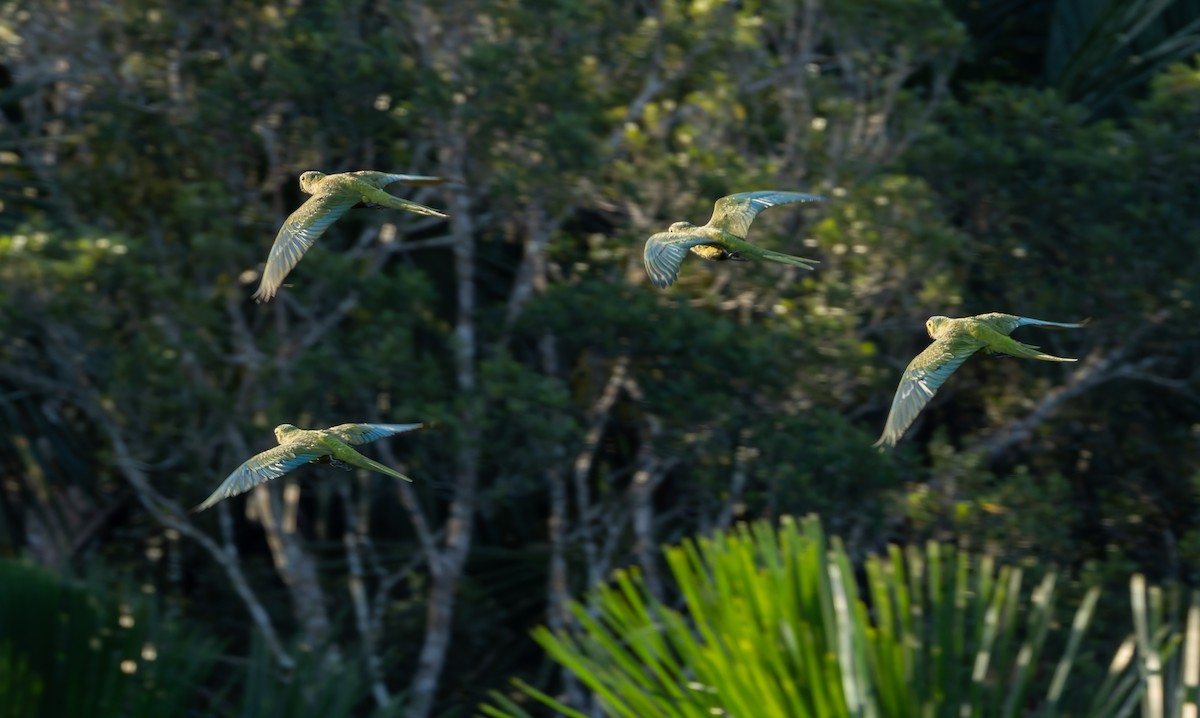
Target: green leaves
1101,51
781,622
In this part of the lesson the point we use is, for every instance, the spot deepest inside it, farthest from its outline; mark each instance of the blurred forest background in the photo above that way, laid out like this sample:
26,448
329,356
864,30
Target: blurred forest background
1036,157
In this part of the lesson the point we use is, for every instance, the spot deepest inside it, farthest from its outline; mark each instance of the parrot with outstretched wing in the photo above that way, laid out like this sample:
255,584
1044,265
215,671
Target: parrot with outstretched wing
723,238
953,341
301,446
332,196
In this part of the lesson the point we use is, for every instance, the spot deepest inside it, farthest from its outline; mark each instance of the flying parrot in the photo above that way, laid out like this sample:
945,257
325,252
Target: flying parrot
302,446
955,339
723,238
331,196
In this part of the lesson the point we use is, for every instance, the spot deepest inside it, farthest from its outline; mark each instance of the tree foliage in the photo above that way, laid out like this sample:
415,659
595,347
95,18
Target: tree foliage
149,152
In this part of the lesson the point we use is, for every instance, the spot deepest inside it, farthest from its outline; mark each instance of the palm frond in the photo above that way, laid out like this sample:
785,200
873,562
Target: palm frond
773,623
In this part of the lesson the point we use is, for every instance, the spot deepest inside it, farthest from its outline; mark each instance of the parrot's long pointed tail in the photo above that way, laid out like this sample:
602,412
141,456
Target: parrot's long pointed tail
364,462
1012,347
1029,351
785,259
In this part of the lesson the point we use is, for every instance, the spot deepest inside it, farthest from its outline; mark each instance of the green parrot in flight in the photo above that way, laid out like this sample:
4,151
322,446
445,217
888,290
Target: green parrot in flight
302,446
723,238
331,196
953,341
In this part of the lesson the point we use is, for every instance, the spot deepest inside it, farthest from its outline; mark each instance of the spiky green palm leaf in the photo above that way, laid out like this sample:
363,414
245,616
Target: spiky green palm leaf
1101,50
773,624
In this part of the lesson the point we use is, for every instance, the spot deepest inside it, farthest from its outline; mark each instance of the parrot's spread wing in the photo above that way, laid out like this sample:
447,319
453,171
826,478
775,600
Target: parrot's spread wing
924,376
298,233
1031,322
664,255
412,179
365,433
1003,323
379,180
1006,323
270,464
734,213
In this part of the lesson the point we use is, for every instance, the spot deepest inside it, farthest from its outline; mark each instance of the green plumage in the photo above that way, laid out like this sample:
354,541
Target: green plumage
332,196
723,238
954,341
302,446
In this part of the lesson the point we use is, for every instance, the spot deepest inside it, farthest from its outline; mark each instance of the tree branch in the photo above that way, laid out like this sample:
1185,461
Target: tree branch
351,538
1096,369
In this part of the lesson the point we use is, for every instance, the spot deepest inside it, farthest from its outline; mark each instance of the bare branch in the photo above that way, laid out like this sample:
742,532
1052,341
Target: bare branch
168,514
742,455
446,564
295,566
531,275
358,599
1096,369
598,419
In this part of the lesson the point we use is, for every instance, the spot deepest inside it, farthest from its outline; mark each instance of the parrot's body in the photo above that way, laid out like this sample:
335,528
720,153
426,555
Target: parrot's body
332,196
301,446
954,341
723,238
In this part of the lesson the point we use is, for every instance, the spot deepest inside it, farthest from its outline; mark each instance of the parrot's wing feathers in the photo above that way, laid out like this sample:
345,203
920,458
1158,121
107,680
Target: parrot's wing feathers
414,179
1006,323
355,434
270,464
298,233
1028,321
664,255
924,376
734,213
380,180
997,321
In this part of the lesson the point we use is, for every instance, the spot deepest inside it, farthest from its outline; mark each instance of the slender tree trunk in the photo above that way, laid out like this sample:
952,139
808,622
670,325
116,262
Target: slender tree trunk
353,537
446,563
646,479
558,591
295,566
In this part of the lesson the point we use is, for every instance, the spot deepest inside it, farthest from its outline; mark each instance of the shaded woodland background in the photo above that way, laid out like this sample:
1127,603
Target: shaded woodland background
1039,158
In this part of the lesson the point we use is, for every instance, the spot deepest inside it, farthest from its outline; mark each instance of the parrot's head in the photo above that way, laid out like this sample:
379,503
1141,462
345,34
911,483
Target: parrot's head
932,324
680,227
309,180
283,430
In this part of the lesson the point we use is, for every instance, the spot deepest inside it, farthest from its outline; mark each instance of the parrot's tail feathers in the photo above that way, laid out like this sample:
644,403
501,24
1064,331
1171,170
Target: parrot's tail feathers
788,259
1035,353
366,463
1014,348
